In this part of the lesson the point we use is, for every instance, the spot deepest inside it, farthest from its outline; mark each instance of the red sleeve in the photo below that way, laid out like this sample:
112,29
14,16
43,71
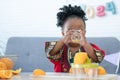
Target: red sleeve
97,48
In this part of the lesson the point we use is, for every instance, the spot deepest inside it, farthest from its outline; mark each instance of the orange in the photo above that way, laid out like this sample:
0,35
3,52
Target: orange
70,70
80,58
9,63
5,74
15,72
38,72
3,66
101,70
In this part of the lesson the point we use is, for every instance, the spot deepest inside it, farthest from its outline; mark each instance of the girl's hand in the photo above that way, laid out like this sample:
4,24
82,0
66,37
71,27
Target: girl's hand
83,38
67,38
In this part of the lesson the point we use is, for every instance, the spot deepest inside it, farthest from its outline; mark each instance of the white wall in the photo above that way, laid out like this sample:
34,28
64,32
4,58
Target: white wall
108,25
28,17
38,18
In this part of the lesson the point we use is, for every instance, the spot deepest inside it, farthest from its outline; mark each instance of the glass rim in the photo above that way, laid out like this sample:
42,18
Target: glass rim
90,65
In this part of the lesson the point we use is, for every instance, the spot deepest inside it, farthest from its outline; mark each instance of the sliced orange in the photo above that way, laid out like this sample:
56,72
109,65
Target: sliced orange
3,66
38,72
80,58
17,71
101,70
5,74
9,63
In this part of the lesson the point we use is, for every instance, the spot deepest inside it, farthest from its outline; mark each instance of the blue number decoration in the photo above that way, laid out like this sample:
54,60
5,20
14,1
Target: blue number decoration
110,6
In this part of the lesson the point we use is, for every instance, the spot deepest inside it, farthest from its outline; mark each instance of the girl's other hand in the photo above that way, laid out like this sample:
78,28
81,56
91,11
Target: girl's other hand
83,38
67,37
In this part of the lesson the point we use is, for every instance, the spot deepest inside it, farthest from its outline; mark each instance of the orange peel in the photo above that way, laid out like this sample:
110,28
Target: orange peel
17,71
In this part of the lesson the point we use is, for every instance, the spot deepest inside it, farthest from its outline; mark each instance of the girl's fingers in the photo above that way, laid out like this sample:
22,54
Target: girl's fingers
69,33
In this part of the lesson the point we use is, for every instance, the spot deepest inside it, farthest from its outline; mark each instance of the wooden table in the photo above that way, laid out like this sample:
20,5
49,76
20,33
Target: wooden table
62,76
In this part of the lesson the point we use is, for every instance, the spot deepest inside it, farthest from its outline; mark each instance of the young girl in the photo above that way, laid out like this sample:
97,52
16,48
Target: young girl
61,53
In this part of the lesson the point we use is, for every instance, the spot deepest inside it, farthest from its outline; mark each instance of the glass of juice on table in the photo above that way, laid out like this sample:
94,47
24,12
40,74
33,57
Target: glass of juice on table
91,70
77,69
85,71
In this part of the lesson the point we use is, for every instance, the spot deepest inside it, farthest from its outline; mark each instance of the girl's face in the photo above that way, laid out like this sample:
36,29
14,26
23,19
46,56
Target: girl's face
73,24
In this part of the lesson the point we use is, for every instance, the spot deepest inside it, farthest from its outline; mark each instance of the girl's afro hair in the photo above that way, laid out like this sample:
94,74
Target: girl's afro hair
68,11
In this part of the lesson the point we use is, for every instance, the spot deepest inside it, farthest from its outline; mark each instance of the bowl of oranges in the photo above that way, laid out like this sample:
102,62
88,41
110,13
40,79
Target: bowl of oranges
8,61
6,66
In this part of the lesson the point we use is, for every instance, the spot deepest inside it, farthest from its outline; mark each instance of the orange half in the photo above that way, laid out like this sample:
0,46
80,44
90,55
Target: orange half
101,70
38,72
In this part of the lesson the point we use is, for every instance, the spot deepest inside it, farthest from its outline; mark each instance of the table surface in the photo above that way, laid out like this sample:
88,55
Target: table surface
62,76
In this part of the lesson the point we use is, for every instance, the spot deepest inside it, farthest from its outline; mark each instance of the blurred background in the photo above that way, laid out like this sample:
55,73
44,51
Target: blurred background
37,18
